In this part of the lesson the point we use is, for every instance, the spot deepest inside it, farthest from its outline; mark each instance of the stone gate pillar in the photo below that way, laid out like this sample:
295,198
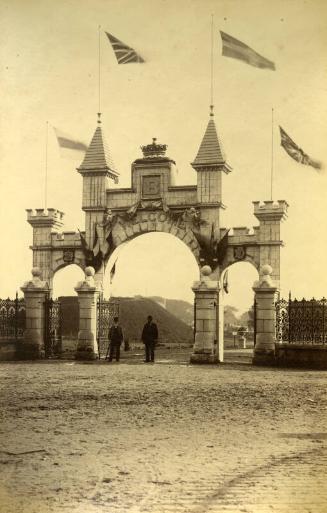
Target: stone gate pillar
220,325
87,348
265,297
206,298
35,293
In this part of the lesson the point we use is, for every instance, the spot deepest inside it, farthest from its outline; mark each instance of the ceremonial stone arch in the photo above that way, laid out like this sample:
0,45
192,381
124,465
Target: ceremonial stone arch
153,203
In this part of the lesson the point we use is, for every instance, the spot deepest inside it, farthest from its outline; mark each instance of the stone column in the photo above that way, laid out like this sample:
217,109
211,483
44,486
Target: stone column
265,296
206,296
35,293
220,325
87,348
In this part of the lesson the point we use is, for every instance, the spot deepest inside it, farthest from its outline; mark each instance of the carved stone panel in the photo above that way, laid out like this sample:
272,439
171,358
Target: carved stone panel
151,186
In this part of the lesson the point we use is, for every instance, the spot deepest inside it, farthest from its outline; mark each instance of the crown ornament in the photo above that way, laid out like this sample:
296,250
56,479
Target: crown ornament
154,150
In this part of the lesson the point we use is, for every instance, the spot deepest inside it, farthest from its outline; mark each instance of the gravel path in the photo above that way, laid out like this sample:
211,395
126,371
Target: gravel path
160,438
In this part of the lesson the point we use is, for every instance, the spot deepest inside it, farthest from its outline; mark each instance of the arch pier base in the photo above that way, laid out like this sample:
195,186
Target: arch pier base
35,292
87,292
206,348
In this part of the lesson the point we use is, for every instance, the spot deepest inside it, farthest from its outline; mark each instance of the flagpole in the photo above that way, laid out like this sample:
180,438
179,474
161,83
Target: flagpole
99,68
272,154
211,65
46,167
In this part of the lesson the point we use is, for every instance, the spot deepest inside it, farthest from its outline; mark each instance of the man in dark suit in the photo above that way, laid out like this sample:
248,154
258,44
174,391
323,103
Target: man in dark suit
149,338
115,339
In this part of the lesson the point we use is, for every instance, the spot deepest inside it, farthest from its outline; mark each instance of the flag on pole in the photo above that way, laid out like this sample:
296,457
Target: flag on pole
295,152
112,272
69,146
225,282
222,248
85,248
237,50
212,237
124,54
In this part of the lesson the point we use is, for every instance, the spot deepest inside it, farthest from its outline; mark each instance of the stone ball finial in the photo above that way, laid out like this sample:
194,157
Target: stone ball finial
267,270
266,280
89,271
36,272
206,270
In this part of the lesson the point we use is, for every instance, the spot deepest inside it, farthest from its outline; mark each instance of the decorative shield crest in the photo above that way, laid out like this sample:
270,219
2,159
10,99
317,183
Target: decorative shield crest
151,186
239,252
68,256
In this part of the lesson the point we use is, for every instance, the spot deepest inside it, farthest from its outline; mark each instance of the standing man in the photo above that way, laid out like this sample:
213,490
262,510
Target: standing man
149,338
115,339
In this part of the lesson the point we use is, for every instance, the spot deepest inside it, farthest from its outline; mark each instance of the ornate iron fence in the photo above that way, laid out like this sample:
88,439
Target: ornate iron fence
52,327
107,309
301,322
12,318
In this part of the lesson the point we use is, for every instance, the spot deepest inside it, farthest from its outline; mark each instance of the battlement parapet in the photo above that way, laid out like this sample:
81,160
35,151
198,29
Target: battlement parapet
241,239
240,231
240,235
270,210
50,217
66,238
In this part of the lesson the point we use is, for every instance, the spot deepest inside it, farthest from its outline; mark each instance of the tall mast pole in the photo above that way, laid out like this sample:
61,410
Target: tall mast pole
99,69
46,168
211,68
272,154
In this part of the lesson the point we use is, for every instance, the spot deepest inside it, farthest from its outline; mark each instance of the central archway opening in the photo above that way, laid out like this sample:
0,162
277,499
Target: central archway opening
153,275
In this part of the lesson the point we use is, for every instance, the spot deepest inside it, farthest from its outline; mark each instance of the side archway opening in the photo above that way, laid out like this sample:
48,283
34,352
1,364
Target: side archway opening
238,300
66,279
66,314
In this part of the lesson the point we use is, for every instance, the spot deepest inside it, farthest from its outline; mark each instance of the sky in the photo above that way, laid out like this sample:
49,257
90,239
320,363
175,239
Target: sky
49,70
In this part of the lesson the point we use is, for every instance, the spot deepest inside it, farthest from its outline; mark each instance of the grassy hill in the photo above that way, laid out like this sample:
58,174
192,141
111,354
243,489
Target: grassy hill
179,308
185,311
133,315
174,320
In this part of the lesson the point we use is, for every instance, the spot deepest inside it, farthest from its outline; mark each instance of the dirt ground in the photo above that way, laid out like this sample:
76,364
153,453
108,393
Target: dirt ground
164,437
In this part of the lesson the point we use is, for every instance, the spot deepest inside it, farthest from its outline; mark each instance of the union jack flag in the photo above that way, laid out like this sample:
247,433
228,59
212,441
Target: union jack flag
295,152
124,54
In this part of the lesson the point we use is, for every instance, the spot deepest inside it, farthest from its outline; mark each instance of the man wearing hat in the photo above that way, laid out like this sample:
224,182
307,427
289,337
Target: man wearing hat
149,338
115,339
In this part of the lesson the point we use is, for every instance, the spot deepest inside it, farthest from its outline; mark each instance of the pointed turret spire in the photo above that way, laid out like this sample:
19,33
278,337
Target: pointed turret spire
97,157
210,152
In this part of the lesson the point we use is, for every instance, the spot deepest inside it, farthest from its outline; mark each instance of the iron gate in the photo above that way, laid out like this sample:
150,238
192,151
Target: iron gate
52,328
302,322
12,318
107,309
254,323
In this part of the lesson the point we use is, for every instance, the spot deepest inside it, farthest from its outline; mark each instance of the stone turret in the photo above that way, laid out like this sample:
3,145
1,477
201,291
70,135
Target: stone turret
97,169
270,215
44,222
210,163
48,219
